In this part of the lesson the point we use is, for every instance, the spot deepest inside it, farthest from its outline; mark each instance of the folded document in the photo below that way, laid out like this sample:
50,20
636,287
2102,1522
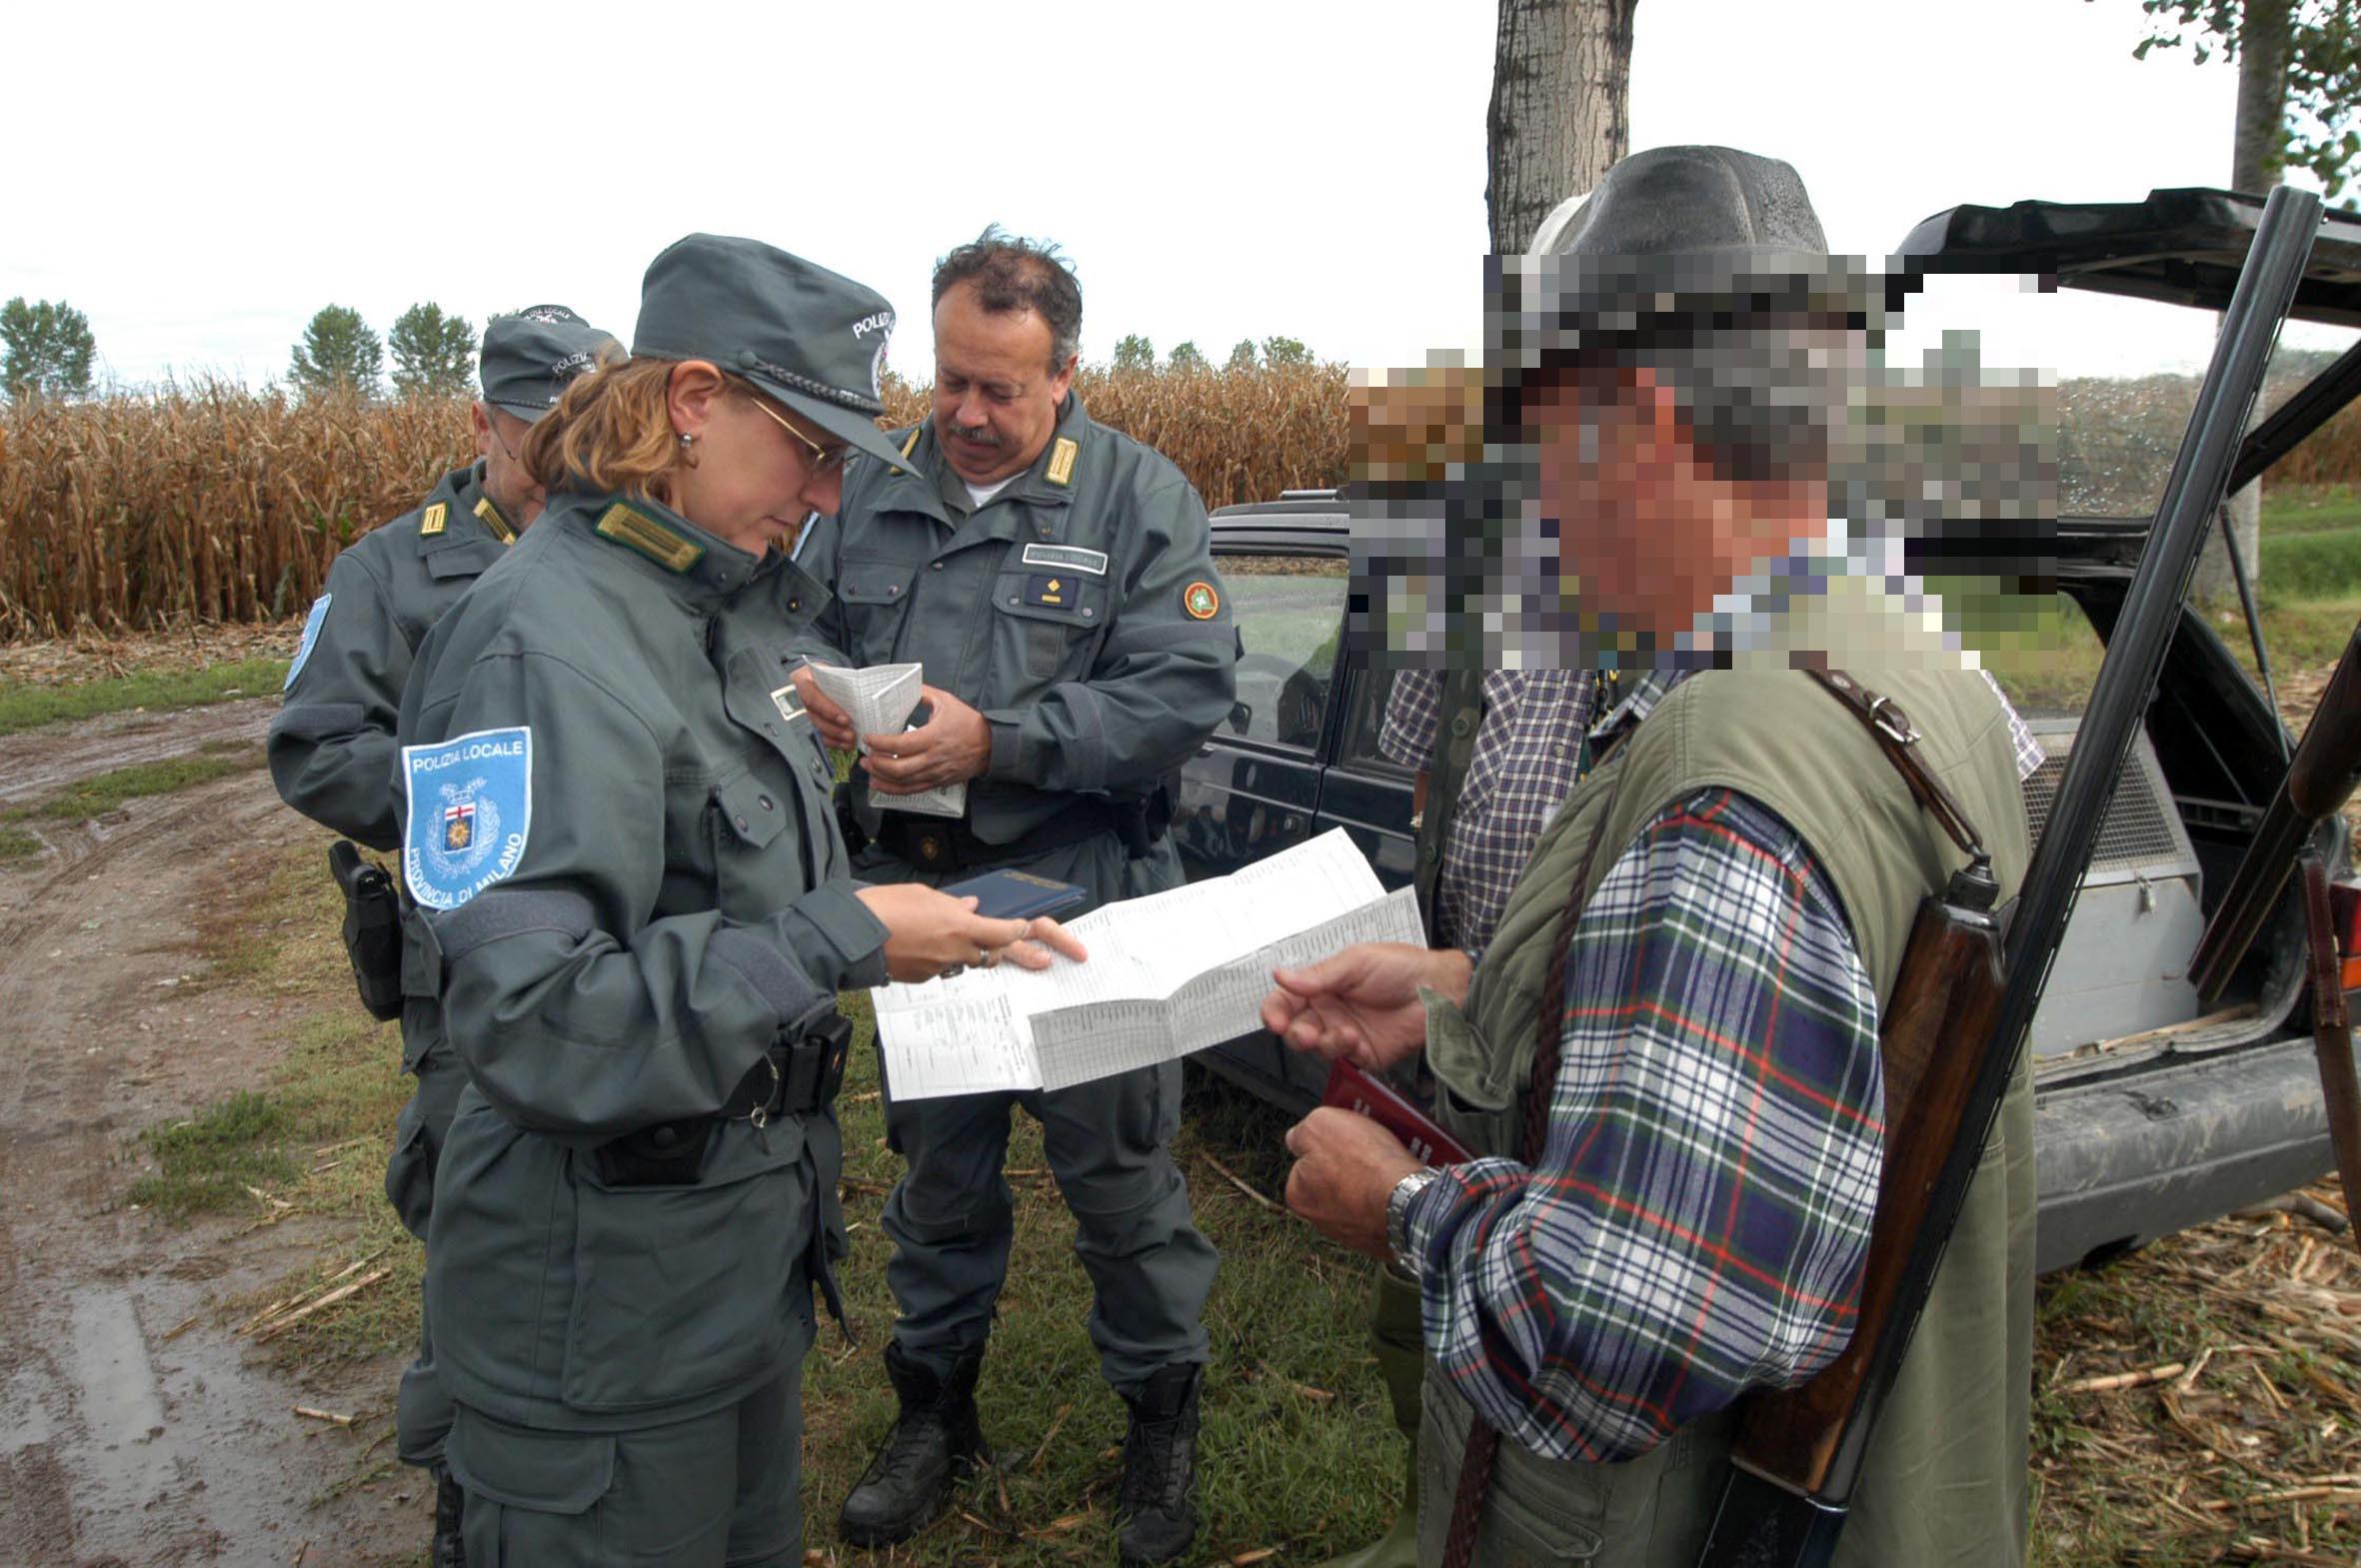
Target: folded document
1170,974
880,701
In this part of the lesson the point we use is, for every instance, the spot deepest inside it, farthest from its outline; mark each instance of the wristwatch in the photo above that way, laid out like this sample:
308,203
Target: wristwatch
1397,1213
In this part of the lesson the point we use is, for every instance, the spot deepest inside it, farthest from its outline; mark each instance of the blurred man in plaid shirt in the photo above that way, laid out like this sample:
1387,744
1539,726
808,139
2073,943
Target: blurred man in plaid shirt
1666,1055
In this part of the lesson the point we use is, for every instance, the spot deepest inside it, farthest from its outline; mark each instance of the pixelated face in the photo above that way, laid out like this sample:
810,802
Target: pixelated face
995,403
1644,530
500,442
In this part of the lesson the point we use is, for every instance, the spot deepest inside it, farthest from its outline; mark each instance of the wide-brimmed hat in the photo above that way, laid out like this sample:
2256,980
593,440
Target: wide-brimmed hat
530,355
805,336
1674,241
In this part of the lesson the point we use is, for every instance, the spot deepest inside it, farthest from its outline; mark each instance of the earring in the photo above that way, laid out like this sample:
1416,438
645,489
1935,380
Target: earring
688,450
687,441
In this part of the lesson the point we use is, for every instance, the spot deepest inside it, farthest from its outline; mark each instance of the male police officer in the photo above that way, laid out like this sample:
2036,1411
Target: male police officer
1668,1057
332,750
1054,579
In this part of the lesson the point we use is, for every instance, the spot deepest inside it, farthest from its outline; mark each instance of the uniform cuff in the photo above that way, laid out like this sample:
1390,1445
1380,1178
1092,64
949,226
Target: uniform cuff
1007,740
836,938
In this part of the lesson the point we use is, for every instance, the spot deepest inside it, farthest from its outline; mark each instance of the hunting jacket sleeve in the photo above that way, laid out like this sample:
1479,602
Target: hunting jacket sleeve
1699,1219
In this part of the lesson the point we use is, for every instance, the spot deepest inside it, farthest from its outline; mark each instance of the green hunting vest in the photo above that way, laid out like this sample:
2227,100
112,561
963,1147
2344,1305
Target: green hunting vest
1946,1479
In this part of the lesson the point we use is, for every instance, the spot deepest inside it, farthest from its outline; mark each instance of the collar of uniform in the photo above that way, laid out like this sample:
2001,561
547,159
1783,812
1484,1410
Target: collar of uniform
920,483
469,515
692,564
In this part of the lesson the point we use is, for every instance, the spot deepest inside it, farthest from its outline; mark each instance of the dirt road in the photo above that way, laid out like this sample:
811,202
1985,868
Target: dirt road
135,1428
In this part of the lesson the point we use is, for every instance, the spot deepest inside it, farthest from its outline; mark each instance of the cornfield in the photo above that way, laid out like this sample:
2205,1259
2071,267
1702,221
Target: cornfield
212,504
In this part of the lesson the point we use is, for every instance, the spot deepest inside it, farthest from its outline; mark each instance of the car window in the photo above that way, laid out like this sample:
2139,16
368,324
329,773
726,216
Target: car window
1366,718
1290,611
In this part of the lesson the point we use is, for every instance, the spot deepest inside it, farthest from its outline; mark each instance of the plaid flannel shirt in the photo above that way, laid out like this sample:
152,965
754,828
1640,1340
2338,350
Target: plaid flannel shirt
1528,755
1699,1219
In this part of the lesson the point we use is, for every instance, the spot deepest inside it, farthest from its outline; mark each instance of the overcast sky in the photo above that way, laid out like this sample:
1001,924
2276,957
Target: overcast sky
200,179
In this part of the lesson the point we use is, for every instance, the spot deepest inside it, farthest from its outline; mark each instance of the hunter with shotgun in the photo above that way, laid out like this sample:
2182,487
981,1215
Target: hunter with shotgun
1743,1274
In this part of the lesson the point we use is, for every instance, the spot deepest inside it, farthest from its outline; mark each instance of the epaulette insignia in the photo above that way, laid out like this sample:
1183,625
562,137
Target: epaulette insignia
915,432
1061,456
650,538
493,521
432,523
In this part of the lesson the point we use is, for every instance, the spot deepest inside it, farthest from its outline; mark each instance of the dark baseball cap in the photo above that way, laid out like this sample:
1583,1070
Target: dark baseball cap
529,355
806,337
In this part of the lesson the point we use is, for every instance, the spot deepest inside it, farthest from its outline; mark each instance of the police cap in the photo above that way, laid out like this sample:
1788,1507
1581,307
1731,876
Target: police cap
806,337
530,355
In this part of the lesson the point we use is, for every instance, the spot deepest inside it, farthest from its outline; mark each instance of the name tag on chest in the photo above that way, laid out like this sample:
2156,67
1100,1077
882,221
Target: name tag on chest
1067,558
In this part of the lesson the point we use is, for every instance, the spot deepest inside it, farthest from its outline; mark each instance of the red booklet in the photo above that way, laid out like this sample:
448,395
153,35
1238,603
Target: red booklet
1351,1090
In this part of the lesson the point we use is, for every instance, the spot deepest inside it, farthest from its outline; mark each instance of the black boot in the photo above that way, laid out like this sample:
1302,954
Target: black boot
935,1440
1158,1500
450,1548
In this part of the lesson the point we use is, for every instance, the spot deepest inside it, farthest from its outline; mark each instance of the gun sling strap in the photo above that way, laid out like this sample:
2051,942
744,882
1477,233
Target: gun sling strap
1896,738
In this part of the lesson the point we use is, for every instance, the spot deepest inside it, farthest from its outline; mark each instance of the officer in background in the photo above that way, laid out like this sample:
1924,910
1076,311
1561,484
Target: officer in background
635,907
332,750
1055,580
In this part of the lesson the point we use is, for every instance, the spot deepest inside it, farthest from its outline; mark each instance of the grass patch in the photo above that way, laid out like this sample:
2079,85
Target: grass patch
215,1160
110,791
17,845
26,704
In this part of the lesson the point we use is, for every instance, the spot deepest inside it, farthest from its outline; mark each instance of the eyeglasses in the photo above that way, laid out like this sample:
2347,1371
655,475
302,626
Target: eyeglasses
825,460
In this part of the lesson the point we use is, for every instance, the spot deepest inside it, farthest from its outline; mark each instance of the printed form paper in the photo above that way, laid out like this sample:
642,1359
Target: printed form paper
879,699
1170,974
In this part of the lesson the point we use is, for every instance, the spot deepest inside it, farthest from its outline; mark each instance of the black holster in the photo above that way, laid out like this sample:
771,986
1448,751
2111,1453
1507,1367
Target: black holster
798,1076
372,929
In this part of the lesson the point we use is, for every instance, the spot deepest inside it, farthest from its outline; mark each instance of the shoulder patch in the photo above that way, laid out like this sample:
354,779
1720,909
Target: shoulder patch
1200,600
311,636
1061,456
433,520
492,520
650,538
470,806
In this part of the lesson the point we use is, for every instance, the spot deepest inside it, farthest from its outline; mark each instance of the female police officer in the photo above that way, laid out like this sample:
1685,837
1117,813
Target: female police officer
619,836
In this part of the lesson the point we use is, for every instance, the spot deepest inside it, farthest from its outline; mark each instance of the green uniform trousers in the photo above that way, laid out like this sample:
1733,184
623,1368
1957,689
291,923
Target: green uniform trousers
717,1491
422,1408
951,1218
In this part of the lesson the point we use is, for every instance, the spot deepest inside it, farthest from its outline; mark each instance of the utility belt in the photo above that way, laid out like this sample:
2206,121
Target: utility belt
798,1076
949,845
372,928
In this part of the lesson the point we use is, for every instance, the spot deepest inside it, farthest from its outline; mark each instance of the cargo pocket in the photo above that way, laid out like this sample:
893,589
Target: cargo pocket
1536,1512
525,1469
1480,1097
410,1174
680,1292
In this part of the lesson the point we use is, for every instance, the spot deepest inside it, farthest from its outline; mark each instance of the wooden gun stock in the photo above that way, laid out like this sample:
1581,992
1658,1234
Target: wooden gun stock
1943,1011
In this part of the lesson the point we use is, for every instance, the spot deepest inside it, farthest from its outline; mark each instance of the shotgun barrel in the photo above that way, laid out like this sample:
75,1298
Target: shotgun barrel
2320,778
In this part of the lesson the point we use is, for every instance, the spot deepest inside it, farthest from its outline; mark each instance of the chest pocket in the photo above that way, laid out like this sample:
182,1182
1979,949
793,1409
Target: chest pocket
872,593
1048,621
757,864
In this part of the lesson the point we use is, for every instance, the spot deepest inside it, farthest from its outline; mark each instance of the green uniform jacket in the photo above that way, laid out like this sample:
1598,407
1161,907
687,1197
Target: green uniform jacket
1945,1481
1079,611
668,896
332,746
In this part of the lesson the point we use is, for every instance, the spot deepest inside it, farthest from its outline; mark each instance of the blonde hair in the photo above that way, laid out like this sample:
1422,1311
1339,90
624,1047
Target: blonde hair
611,431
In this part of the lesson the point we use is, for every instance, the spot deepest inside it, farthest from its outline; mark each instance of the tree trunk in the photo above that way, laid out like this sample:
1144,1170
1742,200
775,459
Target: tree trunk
1561,90
2263,46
